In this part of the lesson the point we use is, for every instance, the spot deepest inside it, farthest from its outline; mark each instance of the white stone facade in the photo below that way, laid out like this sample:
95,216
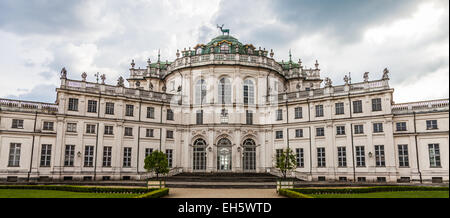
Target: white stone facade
407,142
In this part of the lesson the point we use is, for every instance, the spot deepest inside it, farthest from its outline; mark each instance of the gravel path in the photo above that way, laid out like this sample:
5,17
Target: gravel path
222,193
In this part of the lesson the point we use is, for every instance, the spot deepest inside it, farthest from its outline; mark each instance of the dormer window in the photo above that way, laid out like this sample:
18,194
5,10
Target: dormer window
224,48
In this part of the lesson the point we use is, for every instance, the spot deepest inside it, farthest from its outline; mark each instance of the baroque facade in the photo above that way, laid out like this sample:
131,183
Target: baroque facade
225,107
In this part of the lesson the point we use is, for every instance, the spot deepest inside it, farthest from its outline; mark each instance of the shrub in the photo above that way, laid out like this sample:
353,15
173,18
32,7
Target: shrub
292,194
155,194
90,189
368,189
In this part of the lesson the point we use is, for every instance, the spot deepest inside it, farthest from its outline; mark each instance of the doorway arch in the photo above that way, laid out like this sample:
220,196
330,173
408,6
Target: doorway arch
224,154
249,155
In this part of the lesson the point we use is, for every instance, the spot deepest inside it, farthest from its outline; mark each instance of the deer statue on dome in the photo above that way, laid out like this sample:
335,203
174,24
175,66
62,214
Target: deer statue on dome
223,30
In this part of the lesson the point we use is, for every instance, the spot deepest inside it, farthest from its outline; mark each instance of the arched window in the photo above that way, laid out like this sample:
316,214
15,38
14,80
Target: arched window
224,48
249,92
200,92
249,157
224,91
199,155
199,51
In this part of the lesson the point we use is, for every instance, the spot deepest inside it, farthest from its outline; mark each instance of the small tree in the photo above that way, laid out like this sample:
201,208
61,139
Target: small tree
286,162
157,162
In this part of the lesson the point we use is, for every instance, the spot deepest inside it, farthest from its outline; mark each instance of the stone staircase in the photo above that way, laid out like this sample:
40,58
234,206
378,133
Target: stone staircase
222,180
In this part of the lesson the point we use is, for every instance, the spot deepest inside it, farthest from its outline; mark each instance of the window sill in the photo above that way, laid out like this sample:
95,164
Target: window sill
108,135
89,134
435,166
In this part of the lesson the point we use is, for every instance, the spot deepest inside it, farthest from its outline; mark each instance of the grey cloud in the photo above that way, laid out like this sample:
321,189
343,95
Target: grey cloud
39,16
43,92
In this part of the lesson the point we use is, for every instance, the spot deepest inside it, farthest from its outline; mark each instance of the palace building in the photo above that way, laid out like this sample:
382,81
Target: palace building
225,106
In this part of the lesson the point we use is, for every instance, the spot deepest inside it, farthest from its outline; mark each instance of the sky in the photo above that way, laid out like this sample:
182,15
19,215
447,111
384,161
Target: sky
40,37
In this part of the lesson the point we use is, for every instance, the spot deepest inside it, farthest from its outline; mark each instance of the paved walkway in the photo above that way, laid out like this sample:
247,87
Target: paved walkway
222,193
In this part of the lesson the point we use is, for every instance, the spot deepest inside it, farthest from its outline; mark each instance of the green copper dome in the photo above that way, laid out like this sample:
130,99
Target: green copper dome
222,38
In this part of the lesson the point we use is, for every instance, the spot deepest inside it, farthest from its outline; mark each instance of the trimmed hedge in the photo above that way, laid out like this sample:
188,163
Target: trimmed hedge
155,194
292,194
367,190
90,189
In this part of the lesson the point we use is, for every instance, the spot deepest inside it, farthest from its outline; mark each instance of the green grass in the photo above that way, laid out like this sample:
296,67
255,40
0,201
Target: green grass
30,193
400,194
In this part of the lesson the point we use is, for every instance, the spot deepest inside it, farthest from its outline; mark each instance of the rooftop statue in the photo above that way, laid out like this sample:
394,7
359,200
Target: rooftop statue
223,30
63,73
120,82
366,77
385,74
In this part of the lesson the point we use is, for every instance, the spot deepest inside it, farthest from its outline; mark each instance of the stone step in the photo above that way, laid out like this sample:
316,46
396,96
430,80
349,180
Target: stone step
213,185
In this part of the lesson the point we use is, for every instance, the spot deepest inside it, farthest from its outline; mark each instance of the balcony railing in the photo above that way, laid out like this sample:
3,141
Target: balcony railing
29,105
421,106
116,91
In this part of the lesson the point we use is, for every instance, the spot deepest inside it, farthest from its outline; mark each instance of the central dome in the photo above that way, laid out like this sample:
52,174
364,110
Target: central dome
228,38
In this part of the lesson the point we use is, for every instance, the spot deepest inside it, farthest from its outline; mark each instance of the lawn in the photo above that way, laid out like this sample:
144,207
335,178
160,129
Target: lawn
31,193
400,194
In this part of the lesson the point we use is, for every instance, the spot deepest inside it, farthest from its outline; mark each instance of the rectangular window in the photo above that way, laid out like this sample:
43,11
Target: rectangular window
90,128
319,110
359,129
279,114
401,126
109,108
321,157
339,108
69,155
88,156
299,133
376,104
126,157
128,131
151,112
129,110
48,126
71,127
92,106
342,157
169,153
109,130
432,124
169,134
299,157
357,107
320,131
403,156
378,127
379,156
148,151
298,113
14,155
169,114
149,133
249,117
360,156
17,124
73,104
279,134
199,117
107,156
46,153
435,156
340,130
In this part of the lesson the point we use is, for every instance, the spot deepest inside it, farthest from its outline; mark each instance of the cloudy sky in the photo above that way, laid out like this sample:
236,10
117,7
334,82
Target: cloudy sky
39,37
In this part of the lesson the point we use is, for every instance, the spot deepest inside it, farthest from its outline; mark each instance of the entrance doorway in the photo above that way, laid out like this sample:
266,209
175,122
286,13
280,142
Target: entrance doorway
224,155
199,155
249,155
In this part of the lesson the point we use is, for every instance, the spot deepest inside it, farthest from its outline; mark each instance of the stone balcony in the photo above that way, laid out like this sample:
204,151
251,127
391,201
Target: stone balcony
356,88
117,91
226,59
421,106
27,106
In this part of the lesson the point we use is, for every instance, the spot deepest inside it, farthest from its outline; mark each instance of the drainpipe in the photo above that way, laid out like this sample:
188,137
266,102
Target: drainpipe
417,149
32,147
160,130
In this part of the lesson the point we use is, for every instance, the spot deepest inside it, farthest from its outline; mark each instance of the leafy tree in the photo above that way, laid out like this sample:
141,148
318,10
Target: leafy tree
286,162
157,162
